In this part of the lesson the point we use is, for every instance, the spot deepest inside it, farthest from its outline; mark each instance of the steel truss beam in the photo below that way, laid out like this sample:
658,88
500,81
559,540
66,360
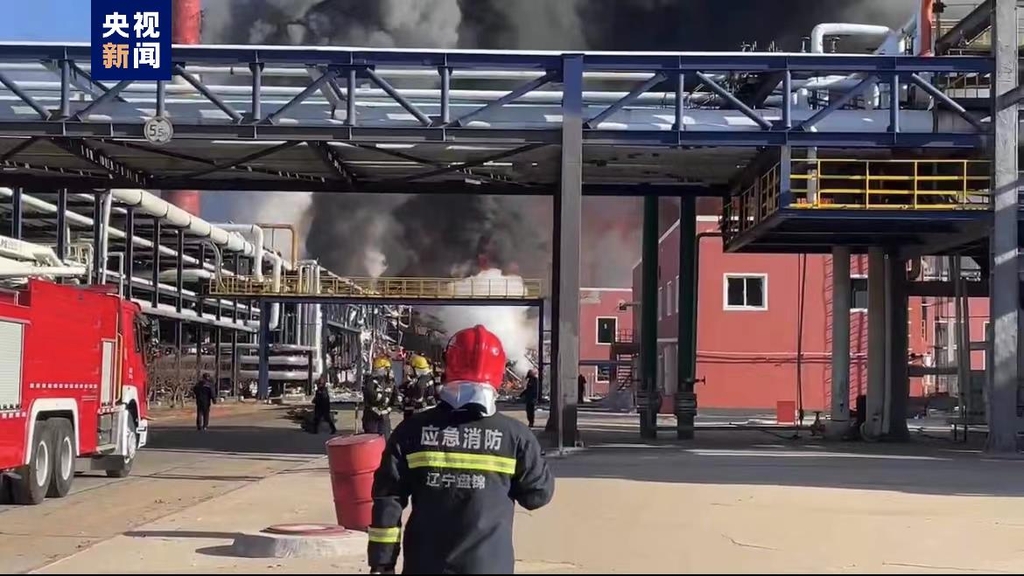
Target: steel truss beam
309,115
257,123
117,172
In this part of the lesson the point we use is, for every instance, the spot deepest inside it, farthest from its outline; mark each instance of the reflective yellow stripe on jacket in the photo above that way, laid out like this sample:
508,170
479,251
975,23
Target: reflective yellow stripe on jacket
463,461
384,535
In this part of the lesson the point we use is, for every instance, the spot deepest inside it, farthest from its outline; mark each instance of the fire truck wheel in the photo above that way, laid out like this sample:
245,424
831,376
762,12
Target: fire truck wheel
126,467
64,458
33,480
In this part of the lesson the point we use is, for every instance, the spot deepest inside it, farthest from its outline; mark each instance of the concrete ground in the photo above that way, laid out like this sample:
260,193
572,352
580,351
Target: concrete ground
740,501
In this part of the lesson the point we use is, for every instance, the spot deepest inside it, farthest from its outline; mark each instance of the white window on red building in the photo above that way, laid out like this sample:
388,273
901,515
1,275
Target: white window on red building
984,351
607,326
668,299
604,374
677,294
745,292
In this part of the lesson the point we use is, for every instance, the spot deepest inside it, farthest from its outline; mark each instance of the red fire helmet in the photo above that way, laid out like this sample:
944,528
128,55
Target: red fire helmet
475,355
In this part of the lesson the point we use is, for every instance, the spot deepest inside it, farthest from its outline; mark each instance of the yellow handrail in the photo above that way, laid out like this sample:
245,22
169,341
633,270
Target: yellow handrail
859,184
503,288
893,184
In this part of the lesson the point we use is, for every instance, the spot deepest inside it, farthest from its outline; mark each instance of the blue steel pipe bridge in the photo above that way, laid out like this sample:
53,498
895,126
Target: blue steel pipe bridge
339,120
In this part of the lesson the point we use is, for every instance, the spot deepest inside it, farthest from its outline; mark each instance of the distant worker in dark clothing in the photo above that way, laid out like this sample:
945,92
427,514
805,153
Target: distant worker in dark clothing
464,467
379,397
530,395
418,392
322,407
205,396
582,389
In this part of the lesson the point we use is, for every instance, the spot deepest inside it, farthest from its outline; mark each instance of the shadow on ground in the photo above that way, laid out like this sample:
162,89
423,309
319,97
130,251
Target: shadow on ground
222,550
924,465
239,439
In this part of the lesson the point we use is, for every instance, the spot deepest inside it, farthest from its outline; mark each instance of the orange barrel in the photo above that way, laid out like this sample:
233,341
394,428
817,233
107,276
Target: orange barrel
353,460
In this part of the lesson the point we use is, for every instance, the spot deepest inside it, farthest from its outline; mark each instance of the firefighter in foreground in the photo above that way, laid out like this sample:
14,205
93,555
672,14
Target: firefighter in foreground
379,397
464,466
418,391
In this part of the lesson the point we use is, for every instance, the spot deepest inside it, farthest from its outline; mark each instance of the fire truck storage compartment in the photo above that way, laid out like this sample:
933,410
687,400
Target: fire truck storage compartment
108,393
12,340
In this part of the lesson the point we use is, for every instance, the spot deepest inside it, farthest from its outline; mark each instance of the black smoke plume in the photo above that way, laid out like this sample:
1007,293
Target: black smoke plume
442,235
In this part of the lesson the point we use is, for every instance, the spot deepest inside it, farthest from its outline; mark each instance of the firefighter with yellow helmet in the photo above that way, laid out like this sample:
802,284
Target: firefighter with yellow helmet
379,397
418,390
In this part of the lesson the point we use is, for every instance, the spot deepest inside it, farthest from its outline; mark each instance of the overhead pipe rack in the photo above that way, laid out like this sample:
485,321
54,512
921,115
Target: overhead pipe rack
97,125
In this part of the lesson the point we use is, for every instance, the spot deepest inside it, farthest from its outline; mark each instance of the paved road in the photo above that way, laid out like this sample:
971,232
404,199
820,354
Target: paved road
180,468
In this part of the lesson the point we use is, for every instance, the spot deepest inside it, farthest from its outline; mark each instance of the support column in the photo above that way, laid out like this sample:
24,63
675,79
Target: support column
1004,314
567,363
309,373
540,348
877,349
264,352
199,350
129,252
16,213
686,398
646,397
62,224
554,386
155,256
178,338
839,410
179,276
236,268
234,365
97,238
217,356
897,393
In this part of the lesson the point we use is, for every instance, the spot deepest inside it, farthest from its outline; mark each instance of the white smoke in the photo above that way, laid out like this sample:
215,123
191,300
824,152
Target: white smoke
274,208
511,324
376,262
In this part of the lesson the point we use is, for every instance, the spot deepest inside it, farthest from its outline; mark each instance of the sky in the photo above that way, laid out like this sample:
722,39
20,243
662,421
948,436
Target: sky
45,21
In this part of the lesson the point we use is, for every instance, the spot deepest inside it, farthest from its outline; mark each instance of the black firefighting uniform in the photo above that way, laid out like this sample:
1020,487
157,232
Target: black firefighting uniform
418,395
379,396
464,473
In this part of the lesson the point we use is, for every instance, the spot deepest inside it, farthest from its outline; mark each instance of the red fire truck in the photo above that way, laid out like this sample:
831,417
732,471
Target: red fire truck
72,386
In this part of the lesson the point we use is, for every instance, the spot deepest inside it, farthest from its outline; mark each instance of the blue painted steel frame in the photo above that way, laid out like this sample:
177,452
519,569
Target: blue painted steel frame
335,63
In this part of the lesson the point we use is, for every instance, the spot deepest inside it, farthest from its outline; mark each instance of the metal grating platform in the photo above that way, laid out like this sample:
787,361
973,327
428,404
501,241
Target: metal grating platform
929,206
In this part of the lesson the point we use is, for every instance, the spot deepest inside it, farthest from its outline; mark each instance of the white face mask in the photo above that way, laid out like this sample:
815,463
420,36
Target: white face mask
461,394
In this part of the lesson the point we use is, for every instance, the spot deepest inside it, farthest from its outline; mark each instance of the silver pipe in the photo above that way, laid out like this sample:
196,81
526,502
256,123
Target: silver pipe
383,72
375,94
108,199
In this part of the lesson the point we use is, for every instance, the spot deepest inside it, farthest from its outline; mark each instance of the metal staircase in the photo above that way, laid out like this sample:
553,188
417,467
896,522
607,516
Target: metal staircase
624,351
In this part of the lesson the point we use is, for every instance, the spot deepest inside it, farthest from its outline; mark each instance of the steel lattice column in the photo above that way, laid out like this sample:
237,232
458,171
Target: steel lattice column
569,215
1003,404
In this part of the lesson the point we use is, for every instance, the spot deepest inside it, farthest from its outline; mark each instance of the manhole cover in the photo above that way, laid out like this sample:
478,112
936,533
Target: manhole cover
306,530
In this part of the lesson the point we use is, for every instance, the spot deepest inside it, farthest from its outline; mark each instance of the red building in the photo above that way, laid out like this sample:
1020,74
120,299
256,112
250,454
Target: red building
600,321
750,325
